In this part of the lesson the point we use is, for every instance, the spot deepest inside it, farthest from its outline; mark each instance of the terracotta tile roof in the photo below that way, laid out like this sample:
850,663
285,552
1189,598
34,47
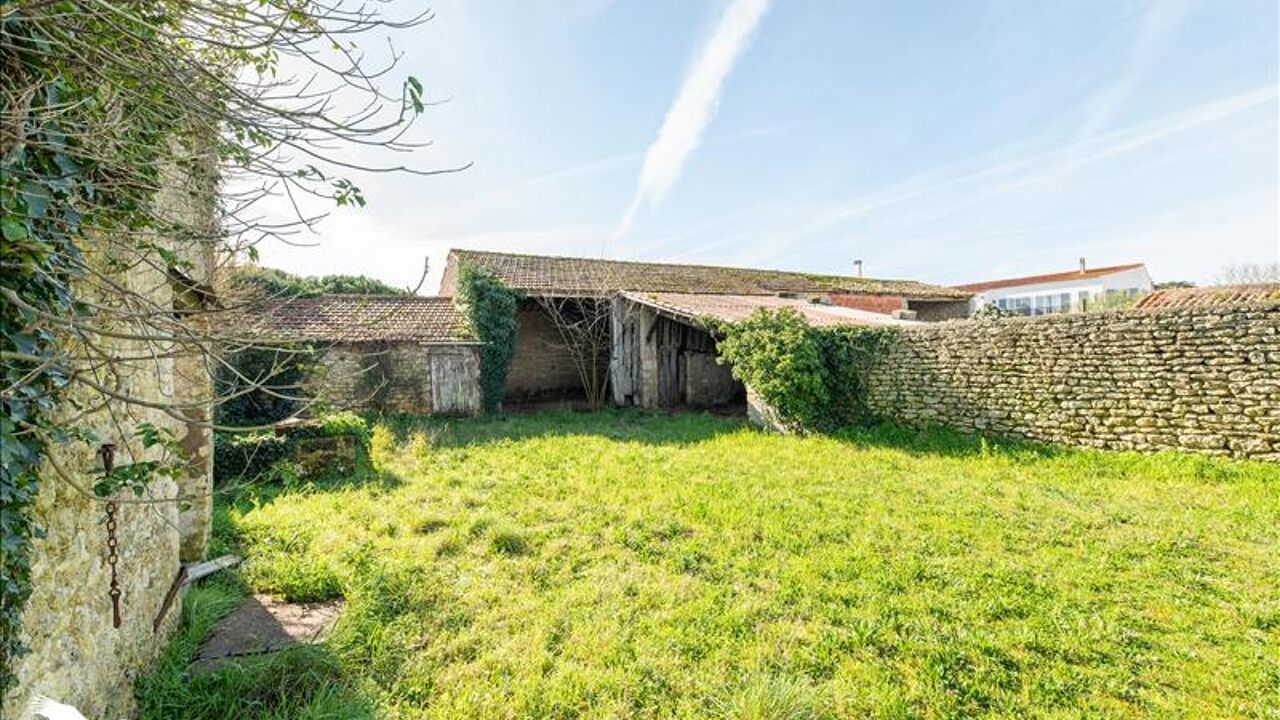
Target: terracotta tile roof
364,318
569,275
1049,278
732,308
1208,297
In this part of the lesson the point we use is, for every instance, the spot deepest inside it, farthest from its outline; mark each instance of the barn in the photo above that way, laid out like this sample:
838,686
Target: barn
383,353
657,350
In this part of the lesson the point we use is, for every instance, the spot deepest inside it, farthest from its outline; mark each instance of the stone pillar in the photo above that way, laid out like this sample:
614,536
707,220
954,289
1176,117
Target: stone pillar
194,388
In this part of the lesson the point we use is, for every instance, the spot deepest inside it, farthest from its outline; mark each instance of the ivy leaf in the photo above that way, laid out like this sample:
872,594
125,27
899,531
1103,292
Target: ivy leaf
13,230
36,199
415,94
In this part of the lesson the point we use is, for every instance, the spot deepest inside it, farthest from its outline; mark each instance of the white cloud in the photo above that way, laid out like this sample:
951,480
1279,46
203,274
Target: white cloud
694,106
1012,174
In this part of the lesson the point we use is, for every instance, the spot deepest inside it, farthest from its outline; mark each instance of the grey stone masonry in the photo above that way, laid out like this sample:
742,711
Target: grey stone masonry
400,377
1203,380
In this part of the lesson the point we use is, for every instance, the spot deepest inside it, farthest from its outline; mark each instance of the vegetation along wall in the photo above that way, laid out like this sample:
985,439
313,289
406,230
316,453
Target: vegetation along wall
1198,380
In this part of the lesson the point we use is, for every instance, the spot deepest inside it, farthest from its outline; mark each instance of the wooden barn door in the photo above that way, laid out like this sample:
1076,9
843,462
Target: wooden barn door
454,389
671,363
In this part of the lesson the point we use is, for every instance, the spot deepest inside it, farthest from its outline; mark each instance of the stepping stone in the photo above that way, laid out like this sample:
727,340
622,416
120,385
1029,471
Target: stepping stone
263,625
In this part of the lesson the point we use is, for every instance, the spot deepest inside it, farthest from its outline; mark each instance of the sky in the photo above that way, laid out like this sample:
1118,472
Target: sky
947,142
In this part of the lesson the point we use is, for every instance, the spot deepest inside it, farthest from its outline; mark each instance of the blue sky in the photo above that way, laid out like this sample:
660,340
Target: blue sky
942,141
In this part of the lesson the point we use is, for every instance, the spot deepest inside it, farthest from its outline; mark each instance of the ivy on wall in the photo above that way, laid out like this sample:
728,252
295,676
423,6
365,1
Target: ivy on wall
50,193
490,308
104,106
812,378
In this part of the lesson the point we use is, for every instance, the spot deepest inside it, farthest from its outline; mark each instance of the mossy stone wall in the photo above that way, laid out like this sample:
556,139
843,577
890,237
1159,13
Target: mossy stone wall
1201,380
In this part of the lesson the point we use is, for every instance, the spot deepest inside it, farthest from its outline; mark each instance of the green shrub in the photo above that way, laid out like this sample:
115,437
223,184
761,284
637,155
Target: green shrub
271,283
490,307
332,446
811,377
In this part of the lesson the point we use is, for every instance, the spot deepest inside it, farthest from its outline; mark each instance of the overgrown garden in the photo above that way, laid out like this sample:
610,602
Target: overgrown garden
624,564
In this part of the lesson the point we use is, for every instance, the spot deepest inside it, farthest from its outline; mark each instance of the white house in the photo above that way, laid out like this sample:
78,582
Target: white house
1063,292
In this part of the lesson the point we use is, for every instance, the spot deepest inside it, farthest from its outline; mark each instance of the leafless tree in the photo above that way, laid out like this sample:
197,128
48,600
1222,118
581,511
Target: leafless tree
1248,274
140,143
582,325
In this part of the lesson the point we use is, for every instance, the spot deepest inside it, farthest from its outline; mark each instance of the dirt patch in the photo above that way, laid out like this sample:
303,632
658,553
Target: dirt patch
262,625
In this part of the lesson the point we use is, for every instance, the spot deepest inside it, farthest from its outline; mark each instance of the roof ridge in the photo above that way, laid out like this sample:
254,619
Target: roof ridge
377,296
1049,276
804,273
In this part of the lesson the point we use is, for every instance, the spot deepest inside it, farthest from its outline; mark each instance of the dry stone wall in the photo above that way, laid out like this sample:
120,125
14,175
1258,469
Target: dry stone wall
400,377
1197,380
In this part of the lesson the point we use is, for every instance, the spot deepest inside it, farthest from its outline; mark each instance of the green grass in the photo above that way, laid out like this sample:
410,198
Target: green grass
306,683
629,565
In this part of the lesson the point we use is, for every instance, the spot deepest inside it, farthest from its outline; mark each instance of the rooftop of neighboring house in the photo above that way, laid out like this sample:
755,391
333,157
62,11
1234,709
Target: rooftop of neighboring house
1209,297
538,274
1070,276
732,308
365,318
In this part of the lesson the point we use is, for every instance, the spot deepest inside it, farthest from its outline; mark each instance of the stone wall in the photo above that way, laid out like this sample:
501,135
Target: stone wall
541,367
400,377
75,654
1198,380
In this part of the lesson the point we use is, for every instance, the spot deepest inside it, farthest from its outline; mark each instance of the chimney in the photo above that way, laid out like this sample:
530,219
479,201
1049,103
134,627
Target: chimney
1081,264
857,266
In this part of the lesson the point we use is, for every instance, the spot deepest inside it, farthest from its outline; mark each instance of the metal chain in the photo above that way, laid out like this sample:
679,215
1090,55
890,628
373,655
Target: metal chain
112,558
107,453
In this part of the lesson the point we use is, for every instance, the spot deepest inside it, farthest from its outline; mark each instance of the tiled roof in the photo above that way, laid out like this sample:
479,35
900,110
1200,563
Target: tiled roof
539,274
1208,297
1050,278
732,308
363,318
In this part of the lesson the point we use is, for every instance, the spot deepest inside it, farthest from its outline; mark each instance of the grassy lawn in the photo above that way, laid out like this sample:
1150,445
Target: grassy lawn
626,565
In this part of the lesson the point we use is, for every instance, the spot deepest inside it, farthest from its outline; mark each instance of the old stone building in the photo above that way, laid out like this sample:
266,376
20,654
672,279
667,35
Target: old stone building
543,367
665,355
76,652
383,353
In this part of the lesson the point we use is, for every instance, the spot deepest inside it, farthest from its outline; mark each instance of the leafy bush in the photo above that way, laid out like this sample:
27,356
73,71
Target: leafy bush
273,283
810,377
490,307
335,445
991,311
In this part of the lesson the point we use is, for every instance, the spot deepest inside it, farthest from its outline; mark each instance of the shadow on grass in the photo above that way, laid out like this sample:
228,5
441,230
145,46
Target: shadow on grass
620,424
687,428
939,441
944,442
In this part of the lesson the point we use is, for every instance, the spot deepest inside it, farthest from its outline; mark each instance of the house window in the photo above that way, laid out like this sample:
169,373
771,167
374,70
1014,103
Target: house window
1018,305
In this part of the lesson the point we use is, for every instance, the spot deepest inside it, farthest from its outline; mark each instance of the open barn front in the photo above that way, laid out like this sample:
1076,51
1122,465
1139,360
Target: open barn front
663,360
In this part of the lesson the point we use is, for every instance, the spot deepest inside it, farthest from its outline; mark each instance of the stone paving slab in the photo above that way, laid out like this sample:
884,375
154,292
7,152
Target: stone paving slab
262,625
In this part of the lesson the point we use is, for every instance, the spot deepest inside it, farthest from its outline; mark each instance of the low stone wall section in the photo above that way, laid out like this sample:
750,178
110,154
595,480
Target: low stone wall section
1202,380
400,377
